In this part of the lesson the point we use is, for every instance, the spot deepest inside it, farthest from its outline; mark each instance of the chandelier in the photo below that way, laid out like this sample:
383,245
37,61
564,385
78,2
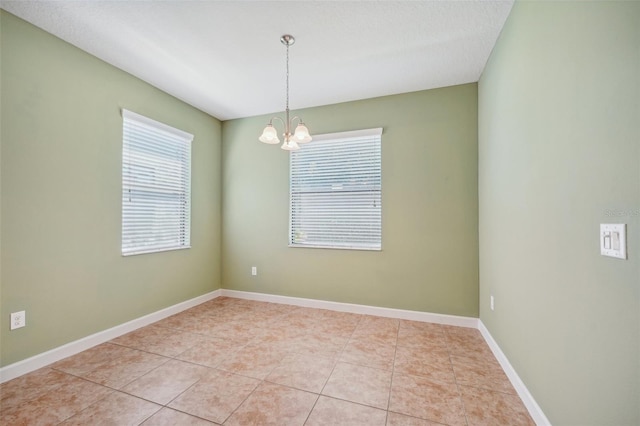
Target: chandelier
301,134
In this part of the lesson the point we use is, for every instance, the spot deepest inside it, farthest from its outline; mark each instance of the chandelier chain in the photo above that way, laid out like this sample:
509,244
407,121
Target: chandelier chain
287,106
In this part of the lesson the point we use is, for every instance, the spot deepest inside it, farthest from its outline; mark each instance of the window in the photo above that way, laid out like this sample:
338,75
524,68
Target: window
156,186
335,191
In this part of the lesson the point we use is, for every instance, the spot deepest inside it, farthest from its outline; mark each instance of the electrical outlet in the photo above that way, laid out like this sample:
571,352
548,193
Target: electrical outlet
492,304
254,270
18,320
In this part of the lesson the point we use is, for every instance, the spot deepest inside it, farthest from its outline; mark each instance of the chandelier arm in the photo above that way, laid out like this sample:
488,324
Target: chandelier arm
275,117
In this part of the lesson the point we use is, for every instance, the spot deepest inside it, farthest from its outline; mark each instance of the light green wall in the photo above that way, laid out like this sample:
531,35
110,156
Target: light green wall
559,150
61,196
429,260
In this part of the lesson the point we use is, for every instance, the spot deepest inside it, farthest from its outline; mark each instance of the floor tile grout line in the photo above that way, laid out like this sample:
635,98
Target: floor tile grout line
243,401
455,376
419,418
394,373
181,411
338,358
111,391
393,367
312,408
151,415
354,402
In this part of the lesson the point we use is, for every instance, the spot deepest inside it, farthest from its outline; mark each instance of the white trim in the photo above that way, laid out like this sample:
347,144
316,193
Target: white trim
130,115
534,409
349,134
28,365
356,309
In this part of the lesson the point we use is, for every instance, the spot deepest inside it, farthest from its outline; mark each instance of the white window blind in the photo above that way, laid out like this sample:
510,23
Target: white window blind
156,186
335,191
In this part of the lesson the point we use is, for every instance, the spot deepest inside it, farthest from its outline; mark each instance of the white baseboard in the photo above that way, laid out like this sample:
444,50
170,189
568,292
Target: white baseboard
19,368
534,409
356,309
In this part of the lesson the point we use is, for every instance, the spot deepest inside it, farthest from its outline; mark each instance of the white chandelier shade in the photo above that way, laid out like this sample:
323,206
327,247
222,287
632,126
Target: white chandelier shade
269,135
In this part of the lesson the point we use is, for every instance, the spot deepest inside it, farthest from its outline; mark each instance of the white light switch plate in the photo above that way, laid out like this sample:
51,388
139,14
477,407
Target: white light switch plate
613,240
18,320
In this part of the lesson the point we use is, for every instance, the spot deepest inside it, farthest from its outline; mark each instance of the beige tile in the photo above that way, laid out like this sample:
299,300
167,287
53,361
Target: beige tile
433,364
345,317
421,326
224,300
322,344
209,305
421,335
257,321
295,350
297,321
330,411
87,361
369,354
483,373
227,313
379,323
338,323
377,330
202,324
336,328
395,419
169,417
305,372
166,382
236,331
215,396
484,407
71,397
252,361
159,340
279,339
418,397
453,331
280,332
272,404
210,352
468,343
480,352
116,409
126,368
180,321
30,386
282,309
355,383
220,312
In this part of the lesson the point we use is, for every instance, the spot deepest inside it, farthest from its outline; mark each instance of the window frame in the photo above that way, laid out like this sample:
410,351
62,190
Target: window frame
375,133
168,139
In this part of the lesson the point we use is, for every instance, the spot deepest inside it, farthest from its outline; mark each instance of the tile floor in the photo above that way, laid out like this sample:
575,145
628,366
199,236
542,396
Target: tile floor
237,362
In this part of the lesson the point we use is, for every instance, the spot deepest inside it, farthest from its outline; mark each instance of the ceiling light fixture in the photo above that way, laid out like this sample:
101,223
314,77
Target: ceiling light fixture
301,134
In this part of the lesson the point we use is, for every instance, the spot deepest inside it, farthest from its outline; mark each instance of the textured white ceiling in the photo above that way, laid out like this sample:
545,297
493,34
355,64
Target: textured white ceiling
225,57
